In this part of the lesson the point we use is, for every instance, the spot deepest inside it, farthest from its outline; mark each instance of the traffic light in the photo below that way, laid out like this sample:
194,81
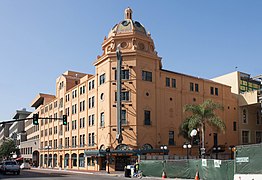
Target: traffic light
64,119
35,119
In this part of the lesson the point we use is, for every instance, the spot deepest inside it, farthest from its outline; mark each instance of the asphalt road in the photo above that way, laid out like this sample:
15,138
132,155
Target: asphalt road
35,174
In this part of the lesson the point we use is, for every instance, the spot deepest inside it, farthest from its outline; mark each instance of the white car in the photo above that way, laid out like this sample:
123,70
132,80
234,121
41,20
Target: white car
25,166
10,166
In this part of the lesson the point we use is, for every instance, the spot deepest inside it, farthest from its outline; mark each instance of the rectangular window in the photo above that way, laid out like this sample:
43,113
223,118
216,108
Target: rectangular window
212,90
191,86
74,125
50,131
82,106
82,122
50,106
147,120
55,116
167,82
102,78
74,141
91,120
234,126
258,137
89,85
61,101
93,139
245,137
55,104
67,126
196,88
216,91
124,74
91,102
55,130
123,117
147,76
74,109
173,83
82,90
171,139
125,96
55,144
102,119
89,139
93,84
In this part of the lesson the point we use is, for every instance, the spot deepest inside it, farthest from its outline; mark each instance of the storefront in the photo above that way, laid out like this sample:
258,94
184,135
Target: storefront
118,159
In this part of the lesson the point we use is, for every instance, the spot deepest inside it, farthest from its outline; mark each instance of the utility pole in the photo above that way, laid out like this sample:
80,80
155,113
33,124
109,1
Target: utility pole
119,136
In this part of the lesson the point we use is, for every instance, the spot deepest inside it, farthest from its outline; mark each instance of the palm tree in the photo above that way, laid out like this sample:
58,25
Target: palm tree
202,114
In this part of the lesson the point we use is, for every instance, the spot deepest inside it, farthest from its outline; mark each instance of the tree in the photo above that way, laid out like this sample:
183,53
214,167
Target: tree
202,115
7,148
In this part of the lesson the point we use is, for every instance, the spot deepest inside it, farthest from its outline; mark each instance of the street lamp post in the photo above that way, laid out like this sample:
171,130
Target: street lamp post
163,148
216,149
48,147
187,146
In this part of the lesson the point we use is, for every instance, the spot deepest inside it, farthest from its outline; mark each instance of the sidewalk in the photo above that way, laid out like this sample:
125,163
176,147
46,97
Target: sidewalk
115,173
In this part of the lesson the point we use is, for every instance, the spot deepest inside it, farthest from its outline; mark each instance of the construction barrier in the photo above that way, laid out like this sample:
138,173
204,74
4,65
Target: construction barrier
207,169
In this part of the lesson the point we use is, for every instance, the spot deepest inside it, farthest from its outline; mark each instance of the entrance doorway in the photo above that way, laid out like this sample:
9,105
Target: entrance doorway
121,162
103,163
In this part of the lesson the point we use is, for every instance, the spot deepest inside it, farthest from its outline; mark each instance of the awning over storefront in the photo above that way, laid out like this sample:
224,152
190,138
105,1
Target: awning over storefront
102,153
19,159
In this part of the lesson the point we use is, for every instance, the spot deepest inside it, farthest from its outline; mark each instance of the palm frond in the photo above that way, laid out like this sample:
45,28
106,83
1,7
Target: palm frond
217,123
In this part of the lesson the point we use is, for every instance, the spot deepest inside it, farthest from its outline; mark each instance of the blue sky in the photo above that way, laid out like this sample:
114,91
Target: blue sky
39,40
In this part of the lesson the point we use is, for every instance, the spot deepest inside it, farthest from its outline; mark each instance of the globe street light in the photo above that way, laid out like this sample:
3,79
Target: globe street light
163,148
216,149
187,146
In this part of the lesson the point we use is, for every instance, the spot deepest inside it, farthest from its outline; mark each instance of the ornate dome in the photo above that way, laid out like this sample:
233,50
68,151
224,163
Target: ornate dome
127,25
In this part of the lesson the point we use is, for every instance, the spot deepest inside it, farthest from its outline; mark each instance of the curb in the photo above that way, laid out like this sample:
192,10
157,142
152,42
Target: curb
76,171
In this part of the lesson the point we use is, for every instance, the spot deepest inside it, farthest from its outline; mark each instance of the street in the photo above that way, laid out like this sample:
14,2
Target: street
56,175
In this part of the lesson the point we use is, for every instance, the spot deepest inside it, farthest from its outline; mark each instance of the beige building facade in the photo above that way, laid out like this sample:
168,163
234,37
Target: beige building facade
152,107
249,91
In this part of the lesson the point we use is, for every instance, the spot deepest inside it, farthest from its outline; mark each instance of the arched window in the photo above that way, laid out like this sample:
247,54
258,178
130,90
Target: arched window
74,159
147,146
66,160
245,116
102,147
122,147
55,160
81,160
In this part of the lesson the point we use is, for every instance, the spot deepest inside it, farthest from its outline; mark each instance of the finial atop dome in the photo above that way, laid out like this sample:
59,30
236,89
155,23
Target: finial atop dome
128,13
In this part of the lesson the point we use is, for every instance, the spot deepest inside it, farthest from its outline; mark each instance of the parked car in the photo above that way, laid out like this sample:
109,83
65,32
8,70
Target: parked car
10,166
25,165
